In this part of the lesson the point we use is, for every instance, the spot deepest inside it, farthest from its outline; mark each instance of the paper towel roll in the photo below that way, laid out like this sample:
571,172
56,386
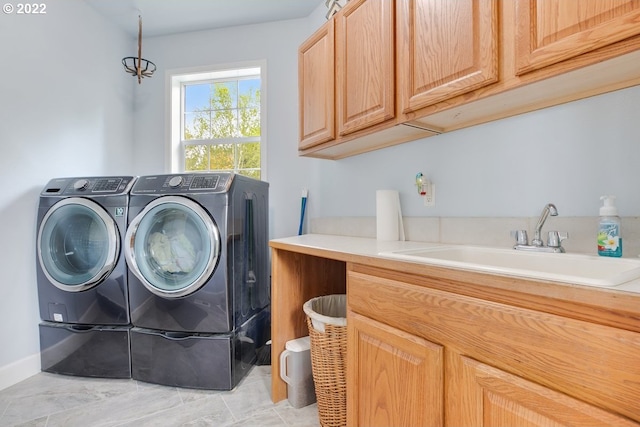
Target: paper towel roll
388,216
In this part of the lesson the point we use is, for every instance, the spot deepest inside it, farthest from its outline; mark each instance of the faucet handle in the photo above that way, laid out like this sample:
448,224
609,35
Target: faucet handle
555,238
520,236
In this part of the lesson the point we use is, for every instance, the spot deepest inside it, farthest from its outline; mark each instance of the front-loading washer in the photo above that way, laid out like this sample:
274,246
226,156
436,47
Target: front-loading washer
82,276
199,285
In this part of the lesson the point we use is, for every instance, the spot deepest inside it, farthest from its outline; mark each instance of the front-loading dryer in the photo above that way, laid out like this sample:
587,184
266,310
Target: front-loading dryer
82,276
197,251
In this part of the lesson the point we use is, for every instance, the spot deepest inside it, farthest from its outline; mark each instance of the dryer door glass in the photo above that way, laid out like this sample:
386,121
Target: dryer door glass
174,246
78,244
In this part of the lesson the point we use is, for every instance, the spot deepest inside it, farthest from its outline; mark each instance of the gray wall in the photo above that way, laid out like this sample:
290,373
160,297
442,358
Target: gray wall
65,107
569,155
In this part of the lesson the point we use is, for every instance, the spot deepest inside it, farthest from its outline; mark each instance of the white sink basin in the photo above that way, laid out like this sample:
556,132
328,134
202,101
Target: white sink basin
567,268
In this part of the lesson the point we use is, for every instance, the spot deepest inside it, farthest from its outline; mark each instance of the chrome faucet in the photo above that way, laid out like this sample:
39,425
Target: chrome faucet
549,209
554,239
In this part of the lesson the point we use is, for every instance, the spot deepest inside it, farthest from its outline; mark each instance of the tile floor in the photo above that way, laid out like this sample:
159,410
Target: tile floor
48,400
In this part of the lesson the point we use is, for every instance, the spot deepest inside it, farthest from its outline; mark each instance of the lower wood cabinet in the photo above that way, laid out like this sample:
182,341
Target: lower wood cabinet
421,356
394,378
481,395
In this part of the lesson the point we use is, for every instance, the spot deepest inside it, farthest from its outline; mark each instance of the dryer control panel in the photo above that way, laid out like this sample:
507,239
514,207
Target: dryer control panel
184,183
89,186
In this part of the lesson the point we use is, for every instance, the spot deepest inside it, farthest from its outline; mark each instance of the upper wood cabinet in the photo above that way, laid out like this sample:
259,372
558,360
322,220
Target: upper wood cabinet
384,72
551,31
364,64
316,73
444,49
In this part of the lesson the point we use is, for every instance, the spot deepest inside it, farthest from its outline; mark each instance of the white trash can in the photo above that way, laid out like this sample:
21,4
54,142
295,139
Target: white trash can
295,370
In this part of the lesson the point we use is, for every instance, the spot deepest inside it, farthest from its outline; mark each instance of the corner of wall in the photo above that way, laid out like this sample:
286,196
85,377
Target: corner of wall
20,370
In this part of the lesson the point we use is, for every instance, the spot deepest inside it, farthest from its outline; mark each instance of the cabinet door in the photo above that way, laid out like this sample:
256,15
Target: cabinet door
364,64
394,378
481,395
445,49
551,31
316,87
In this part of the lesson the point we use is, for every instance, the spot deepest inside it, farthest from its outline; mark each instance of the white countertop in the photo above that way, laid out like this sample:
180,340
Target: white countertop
351,245
368,247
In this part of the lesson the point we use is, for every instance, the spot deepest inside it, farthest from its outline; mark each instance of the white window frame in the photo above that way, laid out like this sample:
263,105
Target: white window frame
174,153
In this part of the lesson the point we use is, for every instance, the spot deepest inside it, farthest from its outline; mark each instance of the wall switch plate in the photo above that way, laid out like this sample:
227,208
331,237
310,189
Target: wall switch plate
430,196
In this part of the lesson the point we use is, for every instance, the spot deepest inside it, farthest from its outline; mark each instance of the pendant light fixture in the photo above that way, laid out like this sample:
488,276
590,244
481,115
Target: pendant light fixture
138,66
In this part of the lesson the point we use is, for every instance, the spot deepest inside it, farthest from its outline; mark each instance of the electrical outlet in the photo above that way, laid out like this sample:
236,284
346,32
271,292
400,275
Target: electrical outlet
430,196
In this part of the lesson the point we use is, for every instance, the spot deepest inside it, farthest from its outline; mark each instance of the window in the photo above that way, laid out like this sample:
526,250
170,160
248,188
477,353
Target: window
216,121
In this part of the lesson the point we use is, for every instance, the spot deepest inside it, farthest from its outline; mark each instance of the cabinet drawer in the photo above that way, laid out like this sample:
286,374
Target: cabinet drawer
594,363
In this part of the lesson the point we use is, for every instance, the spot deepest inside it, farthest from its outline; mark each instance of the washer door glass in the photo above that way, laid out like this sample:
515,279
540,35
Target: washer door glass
173,246
78,244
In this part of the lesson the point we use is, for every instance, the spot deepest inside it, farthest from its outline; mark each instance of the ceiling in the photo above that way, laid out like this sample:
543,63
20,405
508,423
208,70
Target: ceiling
162,17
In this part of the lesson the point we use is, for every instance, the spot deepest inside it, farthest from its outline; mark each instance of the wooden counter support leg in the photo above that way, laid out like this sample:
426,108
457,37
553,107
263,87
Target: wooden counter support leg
296,278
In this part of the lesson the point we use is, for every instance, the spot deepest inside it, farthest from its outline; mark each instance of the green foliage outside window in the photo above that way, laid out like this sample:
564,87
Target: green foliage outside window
224,135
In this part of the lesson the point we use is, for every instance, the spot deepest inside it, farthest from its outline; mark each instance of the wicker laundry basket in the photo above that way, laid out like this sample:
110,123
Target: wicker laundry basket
326,319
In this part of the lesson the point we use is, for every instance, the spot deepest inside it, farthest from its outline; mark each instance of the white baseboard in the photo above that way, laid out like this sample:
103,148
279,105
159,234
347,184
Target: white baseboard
20,370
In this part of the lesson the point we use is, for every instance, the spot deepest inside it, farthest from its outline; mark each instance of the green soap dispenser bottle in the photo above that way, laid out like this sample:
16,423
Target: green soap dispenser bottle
609,240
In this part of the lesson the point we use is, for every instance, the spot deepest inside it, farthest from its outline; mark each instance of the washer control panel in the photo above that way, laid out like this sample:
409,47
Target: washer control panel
184,183
90,186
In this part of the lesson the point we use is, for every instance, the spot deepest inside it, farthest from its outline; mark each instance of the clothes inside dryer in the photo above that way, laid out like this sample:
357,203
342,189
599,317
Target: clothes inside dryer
176,247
